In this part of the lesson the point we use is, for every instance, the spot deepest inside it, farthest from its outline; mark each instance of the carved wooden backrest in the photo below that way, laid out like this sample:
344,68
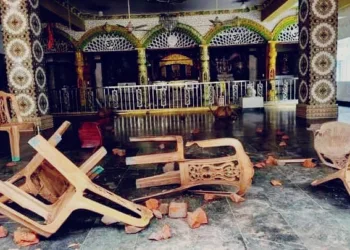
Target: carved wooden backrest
333,139
6,101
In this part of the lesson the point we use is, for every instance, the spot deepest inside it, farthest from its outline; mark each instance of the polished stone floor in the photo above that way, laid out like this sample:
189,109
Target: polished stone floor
292,216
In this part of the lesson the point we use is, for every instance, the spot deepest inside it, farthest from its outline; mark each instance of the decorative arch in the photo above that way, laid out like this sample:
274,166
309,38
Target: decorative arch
128,40
288,24
184,29
239,22
63,42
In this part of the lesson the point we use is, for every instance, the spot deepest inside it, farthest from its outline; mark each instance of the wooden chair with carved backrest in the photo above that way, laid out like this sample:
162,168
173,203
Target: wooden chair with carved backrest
332,144
12,125
236,170
38,177
74,198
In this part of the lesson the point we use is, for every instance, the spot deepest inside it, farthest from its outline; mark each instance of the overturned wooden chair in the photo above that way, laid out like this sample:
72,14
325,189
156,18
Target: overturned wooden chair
236,170
74,198
12,124
38,177
332,144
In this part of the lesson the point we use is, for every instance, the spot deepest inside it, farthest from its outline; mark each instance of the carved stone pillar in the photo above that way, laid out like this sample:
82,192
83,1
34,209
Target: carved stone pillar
25,59
141,60
79,63
272,70
204,55
318,24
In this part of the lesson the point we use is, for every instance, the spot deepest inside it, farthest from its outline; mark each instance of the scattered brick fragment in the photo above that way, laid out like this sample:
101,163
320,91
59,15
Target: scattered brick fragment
283,144
163,234
178,209
276,183
260,164
11,164
119,152
3,232
157,214
132,229
164,208
209,197
308,163
197,218
271,161
236,198
152,204
24,237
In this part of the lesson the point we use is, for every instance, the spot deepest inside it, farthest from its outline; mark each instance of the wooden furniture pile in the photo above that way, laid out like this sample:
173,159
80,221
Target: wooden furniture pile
235,170
12,122
332,144
66,188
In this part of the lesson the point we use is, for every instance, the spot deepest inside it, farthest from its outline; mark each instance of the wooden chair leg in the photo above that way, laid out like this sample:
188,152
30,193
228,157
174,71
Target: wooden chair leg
14,137
337,175
169,178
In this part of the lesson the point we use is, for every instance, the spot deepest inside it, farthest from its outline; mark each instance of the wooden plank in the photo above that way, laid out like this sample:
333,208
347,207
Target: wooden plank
159,180
60,11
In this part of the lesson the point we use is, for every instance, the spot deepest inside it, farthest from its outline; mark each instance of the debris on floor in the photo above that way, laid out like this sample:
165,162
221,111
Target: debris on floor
3,232
11,164
285,137
282,144
236,198
276,183
152,204
164,208
25,237
74,246
197,218
309,163
271,161
260,164
157,214
209,197
195,131
163,234
119,152
178,209
132,229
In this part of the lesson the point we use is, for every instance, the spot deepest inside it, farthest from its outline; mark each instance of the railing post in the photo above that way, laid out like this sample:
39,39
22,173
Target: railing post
79,63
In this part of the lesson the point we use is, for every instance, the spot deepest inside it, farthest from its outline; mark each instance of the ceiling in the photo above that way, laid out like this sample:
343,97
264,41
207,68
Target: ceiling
120,7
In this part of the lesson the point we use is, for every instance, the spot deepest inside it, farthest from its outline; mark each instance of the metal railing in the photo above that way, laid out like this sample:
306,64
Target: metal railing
166,96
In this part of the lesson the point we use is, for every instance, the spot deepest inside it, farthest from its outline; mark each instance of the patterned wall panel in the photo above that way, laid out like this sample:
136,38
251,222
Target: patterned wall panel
38,57
318,20
174,39
289,34
108,42
237,36
17,22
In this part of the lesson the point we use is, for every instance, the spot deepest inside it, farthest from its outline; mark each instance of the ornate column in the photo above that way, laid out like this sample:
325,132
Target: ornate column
141,60
204,56
318,24
25,59
272,70
79,63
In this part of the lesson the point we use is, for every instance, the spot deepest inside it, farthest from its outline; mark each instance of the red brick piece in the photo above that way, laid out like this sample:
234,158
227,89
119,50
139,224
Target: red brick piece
178,209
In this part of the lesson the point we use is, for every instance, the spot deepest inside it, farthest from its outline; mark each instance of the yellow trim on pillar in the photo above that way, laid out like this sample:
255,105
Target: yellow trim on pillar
343,4
272,13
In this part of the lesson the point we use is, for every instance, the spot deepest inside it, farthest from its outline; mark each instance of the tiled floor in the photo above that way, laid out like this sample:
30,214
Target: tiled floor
293,216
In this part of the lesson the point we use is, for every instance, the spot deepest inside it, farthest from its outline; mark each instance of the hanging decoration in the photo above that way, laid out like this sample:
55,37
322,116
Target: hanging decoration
50,39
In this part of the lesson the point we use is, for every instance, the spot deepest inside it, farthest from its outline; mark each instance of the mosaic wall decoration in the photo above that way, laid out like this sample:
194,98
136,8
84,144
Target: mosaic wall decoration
108,42
38,57
17,20
174,39
318,22
289,34
237,36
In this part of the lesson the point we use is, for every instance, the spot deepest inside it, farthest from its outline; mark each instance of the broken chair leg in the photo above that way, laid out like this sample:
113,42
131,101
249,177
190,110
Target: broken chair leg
283,162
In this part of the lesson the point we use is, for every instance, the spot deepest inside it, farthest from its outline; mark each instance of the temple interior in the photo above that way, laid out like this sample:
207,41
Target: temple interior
175,124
